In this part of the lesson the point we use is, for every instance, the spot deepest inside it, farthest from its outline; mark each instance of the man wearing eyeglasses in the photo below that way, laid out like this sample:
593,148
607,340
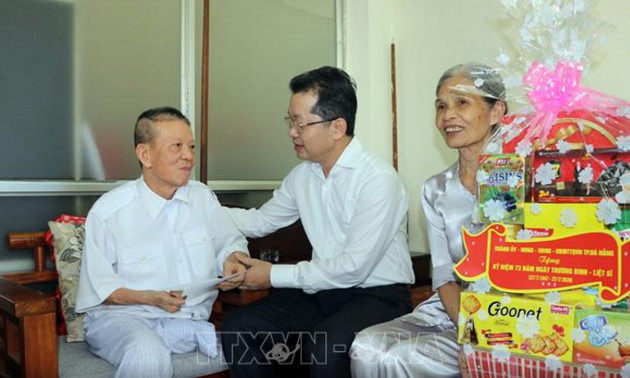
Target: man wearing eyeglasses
353,207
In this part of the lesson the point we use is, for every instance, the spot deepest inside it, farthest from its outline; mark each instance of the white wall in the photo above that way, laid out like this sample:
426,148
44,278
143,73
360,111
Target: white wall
369,31
431,36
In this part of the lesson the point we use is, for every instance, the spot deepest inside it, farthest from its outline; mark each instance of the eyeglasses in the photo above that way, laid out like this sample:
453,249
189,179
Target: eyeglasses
291,123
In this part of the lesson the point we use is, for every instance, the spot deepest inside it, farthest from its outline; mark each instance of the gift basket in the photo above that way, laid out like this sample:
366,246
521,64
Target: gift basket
549,274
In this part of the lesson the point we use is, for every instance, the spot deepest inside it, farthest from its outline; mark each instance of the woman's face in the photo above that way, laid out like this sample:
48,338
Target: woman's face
464,119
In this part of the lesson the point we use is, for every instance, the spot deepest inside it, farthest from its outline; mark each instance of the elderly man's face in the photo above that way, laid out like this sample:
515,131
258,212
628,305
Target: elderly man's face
170,158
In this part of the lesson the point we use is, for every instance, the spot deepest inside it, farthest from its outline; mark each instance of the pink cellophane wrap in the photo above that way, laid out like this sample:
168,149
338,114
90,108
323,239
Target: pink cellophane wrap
561,90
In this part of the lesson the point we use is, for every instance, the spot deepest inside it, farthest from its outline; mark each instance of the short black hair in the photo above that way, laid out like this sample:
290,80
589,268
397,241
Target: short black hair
144,131
335,90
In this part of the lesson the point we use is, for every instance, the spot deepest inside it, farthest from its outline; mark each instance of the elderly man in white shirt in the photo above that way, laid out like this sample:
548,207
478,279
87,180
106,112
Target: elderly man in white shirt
353,207
147,237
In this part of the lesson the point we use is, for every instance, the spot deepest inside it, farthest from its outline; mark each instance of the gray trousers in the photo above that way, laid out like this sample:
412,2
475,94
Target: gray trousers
141,347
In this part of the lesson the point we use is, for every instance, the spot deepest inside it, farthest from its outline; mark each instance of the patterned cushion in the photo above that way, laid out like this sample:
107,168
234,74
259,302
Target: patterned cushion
68,238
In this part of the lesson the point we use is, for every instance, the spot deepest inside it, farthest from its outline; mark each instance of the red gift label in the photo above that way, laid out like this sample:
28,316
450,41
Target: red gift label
548,264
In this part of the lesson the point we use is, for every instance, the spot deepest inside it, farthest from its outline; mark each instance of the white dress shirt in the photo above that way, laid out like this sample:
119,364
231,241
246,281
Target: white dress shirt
355,219
137,240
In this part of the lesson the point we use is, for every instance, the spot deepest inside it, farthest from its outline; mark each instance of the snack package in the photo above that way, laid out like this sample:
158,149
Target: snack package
501,184
603,338
523,325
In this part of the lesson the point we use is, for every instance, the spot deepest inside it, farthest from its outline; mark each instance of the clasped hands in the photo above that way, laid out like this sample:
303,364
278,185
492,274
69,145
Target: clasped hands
251,274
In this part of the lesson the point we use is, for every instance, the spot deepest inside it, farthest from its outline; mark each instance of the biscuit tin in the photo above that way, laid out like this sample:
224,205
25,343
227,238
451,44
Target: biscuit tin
519,325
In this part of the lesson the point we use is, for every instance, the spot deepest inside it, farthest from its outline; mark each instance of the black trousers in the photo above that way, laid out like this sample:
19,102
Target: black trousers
290,327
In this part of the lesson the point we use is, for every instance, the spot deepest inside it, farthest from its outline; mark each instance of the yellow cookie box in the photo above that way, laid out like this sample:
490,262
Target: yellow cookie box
524,326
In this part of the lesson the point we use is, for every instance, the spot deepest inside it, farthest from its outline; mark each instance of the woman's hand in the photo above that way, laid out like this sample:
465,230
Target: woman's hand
449,295
463,364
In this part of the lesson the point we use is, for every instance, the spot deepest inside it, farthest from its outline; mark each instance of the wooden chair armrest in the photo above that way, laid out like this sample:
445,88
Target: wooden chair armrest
28,338
19,301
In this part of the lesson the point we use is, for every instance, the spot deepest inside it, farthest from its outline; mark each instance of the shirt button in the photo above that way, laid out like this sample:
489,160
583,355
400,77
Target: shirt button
143,260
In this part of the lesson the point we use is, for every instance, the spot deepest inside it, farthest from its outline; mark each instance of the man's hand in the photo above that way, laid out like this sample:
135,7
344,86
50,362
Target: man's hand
171,301
232,266
258,275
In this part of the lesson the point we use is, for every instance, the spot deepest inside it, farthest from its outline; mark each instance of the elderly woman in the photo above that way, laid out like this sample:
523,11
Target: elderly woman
469,108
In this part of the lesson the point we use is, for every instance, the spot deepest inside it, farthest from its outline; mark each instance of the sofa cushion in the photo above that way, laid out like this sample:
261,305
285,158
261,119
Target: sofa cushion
76,360
68,235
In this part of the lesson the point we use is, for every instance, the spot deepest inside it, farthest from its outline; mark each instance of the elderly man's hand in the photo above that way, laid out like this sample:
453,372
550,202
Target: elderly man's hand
171,301
258,275
232,266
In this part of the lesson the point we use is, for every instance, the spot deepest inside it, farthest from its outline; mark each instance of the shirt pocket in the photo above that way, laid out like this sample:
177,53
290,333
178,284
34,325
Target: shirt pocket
143,267
199,244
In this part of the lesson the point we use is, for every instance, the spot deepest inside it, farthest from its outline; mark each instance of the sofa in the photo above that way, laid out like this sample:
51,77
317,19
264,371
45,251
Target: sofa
30,346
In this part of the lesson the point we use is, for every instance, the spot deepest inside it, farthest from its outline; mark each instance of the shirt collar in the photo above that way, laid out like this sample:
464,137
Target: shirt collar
351,155
349,158
155,203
